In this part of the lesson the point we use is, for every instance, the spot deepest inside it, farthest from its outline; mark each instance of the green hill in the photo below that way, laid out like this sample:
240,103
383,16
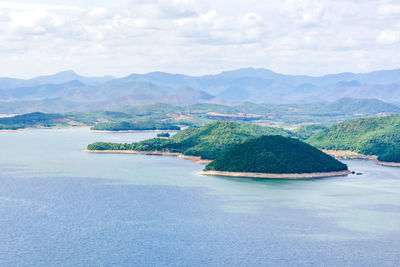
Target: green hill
305,132
275,154
36,119
206,142
371,136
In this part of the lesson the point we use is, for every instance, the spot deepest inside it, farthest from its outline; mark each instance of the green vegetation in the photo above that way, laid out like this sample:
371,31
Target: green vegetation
36,119
370,136
141,126
163,135
206,142
305,132
275,154
391,155
282,115
92,117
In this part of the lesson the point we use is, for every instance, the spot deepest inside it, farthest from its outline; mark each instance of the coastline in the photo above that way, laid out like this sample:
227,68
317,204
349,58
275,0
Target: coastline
388,164
45,128
348,154
17,130
153,153
276,175
132,131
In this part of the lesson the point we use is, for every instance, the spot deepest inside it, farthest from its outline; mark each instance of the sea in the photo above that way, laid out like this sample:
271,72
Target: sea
61,206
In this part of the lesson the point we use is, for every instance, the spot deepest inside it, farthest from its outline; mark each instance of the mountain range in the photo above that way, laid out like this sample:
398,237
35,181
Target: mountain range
67,90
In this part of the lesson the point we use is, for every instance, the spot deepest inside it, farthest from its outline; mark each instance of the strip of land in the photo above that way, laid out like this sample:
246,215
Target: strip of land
154,153
390,164
132,131
276,175
348,154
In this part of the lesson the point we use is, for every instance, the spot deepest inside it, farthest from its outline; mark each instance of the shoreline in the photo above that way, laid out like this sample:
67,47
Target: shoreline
348,154
17,130
132,131
46,128
388,164
277,175
153,153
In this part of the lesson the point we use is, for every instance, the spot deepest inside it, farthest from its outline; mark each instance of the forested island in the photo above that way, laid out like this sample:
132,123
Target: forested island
378,136
275,156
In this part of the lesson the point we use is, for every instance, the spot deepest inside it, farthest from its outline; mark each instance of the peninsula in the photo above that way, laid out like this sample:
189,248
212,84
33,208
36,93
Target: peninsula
234,149
206,142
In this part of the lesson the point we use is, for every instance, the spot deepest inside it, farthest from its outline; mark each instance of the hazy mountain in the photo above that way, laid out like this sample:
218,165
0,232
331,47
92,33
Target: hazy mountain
229,87
58,78
69,75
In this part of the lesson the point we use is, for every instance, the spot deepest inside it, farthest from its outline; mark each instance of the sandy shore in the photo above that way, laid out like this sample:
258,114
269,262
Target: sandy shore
133,131
11,130
275,175
347,154
390,164
153,153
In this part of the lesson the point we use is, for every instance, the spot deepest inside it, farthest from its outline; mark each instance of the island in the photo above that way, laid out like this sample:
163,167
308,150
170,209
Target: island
275,156
163,135
378,137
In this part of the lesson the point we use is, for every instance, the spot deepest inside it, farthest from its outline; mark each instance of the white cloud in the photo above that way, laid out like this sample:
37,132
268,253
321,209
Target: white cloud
388,37
389,10
189,36
304,12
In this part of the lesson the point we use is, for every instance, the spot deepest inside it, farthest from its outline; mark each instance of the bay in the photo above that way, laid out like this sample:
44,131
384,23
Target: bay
61,206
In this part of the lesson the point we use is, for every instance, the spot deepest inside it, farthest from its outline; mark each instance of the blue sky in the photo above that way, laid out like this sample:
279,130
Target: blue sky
119,37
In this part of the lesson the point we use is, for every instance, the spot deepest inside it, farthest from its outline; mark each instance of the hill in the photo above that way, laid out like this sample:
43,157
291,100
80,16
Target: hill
370,136
206,142
35,119
275,154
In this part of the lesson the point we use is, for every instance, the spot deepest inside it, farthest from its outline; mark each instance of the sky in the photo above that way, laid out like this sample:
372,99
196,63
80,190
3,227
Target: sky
119,37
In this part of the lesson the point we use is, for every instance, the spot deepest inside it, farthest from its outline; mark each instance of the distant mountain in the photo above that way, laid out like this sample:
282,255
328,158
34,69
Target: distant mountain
58,78
69,75
260,86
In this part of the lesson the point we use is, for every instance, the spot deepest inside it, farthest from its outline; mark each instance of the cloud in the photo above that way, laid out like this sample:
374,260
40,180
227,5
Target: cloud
389,10
304,12
388,37
189,36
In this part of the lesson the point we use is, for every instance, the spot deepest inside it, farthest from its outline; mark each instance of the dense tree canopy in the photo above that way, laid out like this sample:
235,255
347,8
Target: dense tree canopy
206,142
275,154
371,136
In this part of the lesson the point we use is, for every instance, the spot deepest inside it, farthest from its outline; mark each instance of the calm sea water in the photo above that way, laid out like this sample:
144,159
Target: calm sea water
60,206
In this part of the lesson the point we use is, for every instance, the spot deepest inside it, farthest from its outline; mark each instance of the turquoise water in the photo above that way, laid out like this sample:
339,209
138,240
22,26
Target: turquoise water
60,206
